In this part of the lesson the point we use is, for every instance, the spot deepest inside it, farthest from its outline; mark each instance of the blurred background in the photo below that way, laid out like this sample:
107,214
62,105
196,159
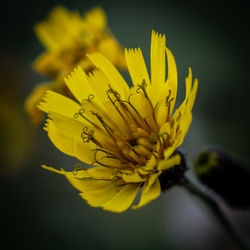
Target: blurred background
41,210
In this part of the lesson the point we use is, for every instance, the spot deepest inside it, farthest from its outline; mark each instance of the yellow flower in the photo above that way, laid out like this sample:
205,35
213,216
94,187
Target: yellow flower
68,37
128,136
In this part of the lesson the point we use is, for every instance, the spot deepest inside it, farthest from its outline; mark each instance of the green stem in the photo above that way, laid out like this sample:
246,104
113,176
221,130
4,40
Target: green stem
194,189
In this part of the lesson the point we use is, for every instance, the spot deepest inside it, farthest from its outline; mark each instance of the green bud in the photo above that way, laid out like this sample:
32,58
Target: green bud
228,177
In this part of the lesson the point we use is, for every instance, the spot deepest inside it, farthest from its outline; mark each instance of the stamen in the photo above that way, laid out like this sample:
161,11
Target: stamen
81,112
88,136
110,155
140,121
117,95
132,114
104,124
134,155
89,99
142,87
77,168
102,164
132,106
96,161
150,119
123,110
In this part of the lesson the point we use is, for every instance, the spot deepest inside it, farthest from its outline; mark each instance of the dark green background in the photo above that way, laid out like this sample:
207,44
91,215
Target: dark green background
40,210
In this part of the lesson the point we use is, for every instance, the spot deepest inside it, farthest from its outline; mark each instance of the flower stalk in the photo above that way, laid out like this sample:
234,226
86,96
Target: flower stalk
215,209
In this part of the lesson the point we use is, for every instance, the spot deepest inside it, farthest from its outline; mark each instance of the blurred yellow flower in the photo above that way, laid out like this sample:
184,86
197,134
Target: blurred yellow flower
127,135
67,38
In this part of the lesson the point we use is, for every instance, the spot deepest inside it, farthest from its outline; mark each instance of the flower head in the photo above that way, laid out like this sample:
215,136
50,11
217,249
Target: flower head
128,135
68,37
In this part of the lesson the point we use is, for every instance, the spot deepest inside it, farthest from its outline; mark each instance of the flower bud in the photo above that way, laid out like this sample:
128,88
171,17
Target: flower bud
228,177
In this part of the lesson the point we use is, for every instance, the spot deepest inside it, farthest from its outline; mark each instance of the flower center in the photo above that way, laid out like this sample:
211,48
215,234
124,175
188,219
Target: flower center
128,137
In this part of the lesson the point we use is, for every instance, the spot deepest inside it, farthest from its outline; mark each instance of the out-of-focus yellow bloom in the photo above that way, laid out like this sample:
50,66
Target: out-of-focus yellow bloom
127,135
67,38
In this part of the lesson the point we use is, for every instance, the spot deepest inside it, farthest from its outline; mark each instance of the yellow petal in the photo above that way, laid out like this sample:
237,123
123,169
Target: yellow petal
63,142
101,173
83,151
116,117
140,102
182,117
184,111
54,102
122,201
169,151
69,142
78,84
152,179
136,66
99,197
116,80
71,127
99,84
193,95
79,174
65,133
150,164
133,177
83,185
172,80
165,128
52,169
170,162
184,126
161,111
182,108
95,192
149,194
158,64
